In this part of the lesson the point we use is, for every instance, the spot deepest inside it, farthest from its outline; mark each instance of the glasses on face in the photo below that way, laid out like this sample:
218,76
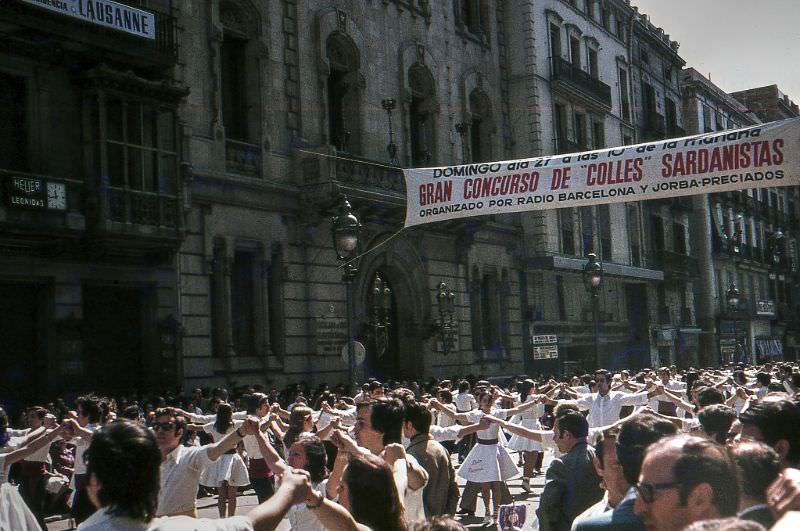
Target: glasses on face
647,491
163,426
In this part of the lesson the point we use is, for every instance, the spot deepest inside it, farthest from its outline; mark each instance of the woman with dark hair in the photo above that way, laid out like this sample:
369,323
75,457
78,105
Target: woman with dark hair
368,498
228,472
528,447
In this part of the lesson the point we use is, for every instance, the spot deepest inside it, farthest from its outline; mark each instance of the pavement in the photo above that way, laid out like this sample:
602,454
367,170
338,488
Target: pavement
207,507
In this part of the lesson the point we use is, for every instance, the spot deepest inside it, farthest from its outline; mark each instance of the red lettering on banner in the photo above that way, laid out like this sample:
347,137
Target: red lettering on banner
438,192
616,172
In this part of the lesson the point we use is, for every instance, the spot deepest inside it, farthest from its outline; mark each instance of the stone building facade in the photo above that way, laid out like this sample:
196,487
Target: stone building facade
169,184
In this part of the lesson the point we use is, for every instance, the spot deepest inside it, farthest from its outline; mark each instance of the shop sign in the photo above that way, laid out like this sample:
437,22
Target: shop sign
765,308
37,194
105,13
544,347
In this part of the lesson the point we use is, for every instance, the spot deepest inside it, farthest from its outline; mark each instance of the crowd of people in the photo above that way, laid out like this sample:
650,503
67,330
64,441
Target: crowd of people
657,450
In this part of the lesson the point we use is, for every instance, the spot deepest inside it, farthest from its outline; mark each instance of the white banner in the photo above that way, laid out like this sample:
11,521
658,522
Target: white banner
104,13
755,157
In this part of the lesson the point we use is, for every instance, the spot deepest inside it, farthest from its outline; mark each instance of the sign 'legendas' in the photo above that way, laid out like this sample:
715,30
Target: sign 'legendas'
104,13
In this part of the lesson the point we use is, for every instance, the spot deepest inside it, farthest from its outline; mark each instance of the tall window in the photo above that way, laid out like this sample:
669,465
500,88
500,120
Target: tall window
587,230
243,305
14,131
580,130
421,119
140,145
679,238
567,230
473,16
634,234
234,87
344,94
598,135
657,232
555,42
560,117
594,70
623,94
672,117
575,51
604,228
480,126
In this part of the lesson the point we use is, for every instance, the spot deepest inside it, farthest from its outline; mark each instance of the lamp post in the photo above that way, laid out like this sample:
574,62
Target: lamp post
733,305
593,279
445,302
346,231
461,129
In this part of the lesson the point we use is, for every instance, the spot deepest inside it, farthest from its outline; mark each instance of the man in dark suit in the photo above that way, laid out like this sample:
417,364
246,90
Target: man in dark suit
635,435
440,495
759,465
571,483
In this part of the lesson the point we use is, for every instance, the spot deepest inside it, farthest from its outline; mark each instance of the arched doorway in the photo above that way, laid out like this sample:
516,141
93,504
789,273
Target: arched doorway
390,309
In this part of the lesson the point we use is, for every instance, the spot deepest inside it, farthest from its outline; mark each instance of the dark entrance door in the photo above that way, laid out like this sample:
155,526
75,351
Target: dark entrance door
113,339
637,353
23,362
383,356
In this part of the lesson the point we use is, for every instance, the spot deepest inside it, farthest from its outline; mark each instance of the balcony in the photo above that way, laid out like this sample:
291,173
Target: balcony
676,266
377,187
77,34
243,158
575,82
142,208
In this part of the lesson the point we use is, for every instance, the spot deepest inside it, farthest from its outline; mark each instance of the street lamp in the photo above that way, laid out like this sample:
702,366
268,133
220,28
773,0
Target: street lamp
346,231
733,304
462,128
445,302
593,279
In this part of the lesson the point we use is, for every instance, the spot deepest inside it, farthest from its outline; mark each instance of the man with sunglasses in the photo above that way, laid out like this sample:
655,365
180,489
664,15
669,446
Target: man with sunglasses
181,466
636,433
686,479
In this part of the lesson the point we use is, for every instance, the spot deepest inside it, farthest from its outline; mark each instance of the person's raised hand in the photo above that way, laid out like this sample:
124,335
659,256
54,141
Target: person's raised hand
250,426
784,493
393,452
298,484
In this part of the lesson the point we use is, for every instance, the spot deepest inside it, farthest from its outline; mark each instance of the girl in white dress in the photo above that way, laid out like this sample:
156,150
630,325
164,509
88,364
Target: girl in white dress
529,419
488,463
229,471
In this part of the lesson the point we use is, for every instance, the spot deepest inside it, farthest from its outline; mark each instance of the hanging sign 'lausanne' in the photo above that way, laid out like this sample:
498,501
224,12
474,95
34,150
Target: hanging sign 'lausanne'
754,157
104,13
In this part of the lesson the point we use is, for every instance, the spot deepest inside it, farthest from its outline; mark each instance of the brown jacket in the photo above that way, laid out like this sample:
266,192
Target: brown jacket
441,493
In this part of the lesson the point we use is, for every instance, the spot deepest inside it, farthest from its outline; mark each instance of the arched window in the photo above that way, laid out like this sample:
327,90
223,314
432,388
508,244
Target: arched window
238,77
344,88
481,126
421,122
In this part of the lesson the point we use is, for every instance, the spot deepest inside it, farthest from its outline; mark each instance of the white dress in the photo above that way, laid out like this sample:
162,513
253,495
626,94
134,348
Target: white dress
528,419
488,462
229,467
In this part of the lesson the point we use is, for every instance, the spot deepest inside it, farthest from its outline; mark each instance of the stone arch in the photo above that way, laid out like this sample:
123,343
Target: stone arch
399,263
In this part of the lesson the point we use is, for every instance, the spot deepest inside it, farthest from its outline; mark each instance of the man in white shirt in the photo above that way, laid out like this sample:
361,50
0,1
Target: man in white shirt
663,404
605,406
181,466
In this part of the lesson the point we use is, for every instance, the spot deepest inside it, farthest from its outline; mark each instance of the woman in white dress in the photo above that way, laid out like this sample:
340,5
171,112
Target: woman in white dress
229,471
529,419
488,463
